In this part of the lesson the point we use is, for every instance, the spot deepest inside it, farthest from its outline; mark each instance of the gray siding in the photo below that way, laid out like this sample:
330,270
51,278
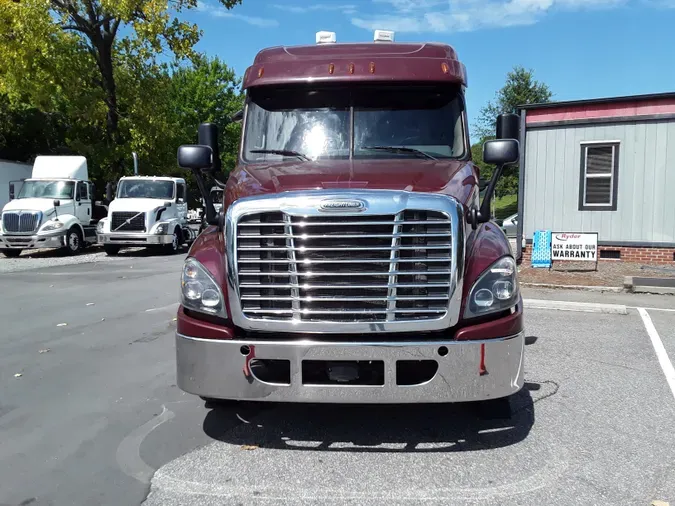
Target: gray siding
646,192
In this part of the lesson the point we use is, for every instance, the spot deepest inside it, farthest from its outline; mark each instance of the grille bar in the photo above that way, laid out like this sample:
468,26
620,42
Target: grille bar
346,287
127,221
346,223
352,311
374,248
341,299
360,261
348,236
341,274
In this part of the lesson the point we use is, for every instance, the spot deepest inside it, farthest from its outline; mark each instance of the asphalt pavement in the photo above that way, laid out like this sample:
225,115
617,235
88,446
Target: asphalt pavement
90,414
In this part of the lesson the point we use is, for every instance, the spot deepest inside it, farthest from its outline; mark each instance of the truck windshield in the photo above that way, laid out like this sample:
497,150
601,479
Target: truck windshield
142,189
391,121
44,189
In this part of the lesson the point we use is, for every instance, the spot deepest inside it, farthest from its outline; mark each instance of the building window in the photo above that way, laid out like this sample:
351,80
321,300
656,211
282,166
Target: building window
599,176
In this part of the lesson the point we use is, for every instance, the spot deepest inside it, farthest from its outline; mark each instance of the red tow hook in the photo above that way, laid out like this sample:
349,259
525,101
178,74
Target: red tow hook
247,363
481,368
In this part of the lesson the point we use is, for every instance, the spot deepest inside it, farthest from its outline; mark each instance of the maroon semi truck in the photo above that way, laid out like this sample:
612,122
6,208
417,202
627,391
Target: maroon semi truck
352,260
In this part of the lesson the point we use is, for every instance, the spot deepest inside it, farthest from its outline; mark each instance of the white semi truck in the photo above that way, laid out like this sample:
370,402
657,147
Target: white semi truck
147,211
53,209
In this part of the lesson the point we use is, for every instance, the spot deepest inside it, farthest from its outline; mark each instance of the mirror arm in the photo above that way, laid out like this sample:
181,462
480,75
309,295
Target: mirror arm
212,217
482,215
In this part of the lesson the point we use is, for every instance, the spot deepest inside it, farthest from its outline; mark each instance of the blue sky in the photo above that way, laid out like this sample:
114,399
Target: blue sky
580,48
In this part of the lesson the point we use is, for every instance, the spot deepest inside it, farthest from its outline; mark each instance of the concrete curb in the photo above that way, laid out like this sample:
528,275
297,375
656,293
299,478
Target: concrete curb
658,286
609,289
583,307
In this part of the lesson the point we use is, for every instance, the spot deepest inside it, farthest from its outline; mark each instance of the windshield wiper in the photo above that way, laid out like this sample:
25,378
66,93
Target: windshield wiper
401,149
282,152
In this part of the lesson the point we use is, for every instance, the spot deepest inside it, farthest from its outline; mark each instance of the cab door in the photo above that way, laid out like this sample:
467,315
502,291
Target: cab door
82,203
181,203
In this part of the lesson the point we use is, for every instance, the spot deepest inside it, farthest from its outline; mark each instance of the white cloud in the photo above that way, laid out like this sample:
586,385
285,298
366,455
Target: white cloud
219,11
443,16
303,9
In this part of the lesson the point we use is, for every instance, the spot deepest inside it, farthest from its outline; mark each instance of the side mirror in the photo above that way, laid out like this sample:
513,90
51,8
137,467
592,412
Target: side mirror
109,192
56,203
208,136
508,126
501,152
195,157
11,191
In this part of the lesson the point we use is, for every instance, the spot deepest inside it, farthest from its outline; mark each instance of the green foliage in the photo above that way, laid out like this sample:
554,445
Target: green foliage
90,72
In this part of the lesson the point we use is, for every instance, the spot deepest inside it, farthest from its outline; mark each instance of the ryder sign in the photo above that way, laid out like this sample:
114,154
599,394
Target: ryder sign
575,247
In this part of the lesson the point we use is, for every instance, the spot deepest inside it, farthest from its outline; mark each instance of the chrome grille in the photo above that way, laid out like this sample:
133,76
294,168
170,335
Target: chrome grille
356,268
136,221
21,222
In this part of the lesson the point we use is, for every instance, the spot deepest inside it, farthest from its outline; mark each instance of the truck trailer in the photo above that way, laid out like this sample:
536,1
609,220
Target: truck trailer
353,260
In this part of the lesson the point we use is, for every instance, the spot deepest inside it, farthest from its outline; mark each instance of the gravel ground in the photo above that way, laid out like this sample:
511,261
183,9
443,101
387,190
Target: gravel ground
608,274
39,259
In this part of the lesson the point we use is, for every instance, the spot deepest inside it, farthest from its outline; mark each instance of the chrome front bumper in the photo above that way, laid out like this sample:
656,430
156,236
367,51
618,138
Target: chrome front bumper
57,240
217,369
134,239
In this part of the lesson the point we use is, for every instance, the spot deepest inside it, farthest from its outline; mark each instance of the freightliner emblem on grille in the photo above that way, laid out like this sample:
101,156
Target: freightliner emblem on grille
336,205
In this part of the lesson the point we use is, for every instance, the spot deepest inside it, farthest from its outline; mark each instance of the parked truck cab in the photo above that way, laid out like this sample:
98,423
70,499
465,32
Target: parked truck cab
353,260
52,209
147,211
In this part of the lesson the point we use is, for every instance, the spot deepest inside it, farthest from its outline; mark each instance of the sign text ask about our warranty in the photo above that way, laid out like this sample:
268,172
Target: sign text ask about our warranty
575,247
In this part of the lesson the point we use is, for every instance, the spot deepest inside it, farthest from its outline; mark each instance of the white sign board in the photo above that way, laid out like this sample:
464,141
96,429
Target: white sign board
574,247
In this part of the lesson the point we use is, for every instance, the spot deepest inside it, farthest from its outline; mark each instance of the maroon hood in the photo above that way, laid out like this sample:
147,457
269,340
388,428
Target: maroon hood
450,177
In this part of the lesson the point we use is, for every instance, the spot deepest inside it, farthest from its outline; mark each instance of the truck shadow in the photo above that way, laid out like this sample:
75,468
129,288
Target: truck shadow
420,428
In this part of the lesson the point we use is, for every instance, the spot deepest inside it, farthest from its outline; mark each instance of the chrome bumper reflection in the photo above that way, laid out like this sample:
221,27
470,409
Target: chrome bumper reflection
217,369
134,239
56,240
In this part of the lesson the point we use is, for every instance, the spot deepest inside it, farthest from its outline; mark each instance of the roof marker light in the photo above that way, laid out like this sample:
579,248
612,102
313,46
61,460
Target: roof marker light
384,36
445,68
331,68
326,38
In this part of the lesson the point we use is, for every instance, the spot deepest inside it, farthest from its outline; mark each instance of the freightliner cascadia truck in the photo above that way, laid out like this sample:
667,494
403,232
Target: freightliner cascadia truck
353,260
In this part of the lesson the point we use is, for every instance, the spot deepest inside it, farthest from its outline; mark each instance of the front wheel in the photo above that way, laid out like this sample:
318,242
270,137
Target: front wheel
173,246
11,253
73,241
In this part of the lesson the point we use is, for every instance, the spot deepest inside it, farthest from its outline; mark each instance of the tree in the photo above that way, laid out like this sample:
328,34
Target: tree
520,88
82,47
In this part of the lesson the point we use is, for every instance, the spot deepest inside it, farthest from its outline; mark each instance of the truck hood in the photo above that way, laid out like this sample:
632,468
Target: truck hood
450,177
43,205
137,205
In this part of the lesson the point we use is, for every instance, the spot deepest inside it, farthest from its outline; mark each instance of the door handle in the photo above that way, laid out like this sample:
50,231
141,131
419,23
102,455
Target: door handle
79,203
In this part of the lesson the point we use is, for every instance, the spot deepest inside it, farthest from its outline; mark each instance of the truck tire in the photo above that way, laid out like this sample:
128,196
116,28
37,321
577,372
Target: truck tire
11,253
174,245
74,241
111,250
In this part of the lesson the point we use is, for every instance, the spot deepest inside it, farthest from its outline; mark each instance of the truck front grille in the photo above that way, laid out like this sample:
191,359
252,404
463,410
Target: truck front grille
21,222
342,269
127,222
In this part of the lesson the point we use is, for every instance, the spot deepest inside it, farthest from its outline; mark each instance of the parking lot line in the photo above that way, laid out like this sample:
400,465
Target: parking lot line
660,350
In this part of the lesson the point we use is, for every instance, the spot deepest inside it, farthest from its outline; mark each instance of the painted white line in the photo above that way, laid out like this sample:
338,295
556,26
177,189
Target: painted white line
163,308
660,350
584,307
653,308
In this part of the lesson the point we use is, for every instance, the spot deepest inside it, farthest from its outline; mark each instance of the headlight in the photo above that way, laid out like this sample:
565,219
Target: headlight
51,225
199,291
99,226
495,290
161,229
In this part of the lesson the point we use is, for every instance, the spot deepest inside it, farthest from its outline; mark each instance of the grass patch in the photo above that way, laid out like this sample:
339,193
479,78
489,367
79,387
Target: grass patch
506,206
